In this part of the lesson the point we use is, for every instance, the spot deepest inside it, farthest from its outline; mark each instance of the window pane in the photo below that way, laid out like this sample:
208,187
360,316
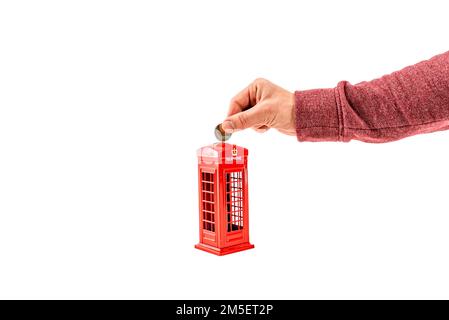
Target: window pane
208,208
234,200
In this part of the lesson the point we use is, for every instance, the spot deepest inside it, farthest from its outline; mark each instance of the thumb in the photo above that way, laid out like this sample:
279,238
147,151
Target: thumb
243,120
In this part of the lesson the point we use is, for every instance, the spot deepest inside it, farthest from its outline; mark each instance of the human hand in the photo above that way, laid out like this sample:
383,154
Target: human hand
270,107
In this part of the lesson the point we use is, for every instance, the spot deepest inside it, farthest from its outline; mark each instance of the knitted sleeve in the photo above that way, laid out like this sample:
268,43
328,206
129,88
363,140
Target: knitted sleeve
411,101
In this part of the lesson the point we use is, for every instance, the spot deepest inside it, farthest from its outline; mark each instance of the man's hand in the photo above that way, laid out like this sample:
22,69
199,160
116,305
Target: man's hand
271,107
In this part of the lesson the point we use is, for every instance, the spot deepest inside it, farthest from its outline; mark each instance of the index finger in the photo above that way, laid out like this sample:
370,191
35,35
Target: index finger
245,99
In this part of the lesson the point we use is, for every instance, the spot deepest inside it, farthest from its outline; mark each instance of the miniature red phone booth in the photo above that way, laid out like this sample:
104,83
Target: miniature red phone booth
223,199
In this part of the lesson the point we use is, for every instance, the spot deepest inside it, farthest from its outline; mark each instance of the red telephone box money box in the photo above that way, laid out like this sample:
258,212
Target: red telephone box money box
223,199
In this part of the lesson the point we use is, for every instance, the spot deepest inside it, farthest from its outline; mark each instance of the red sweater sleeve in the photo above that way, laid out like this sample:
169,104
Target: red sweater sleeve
407,102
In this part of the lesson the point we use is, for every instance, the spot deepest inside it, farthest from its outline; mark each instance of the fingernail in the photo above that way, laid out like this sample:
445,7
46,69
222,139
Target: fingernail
228,126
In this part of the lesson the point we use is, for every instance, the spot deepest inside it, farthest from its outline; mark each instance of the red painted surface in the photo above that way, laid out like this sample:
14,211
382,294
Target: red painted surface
223,199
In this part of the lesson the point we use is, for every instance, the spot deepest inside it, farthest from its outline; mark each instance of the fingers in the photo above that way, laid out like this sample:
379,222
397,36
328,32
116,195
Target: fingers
248,97
240,101
254,117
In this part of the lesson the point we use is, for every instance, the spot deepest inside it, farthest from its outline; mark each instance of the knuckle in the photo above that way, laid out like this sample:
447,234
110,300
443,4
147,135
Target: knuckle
260,81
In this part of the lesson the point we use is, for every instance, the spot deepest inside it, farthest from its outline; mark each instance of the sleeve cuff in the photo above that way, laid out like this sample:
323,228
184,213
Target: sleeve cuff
317,115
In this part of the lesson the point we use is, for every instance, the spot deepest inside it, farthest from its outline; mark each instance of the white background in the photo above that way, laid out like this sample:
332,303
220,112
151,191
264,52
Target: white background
104,103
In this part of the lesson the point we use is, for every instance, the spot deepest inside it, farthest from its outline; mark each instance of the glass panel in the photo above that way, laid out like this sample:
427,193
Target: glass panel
208,201
234,200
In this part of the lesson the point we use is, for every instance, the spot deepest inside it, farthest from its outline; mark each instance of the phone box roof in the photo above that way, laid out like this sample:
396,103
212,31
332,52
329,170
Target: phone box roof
222,153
